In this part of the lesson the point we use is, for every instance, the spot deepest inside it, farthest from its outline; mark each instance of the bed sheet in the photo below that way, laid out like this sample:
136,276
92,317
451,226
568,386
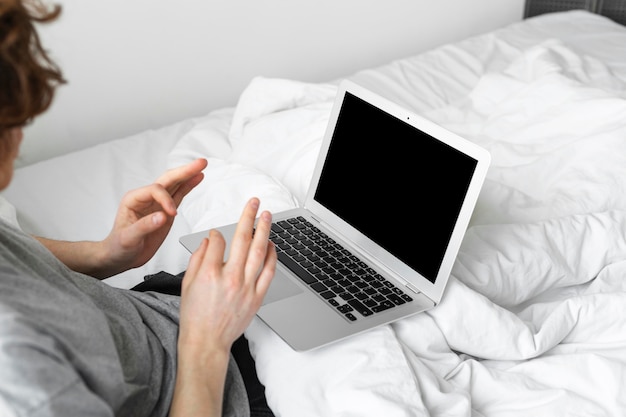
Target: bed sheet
532,321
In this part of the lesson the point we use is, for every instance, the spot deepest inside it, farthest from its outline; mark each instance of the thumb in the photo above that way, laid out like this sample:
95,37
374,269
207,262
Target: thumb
146,225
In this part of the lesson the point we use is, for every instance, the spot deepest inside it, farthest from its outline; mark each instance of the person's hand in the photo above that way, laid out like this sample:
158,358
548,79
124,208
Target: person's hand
145,217
219,299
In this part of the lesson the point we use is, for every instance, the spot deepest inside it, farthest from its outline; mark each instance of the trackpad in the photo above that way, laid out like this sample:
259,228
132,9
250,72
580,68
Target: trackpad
280,288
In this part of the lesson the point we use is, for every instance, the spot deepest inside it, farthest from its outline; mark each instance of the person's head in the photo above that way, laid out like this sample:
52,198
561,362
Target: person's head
28,78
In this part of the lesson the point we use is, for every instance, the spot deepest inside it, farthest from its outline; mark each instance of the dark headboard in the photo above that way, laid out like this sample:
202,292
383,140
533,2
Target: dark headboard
613,9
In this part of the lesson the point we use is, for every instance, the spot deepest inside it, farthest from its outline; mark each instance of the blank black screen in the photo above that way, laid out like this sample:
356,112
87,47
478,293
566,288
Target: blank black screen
394,183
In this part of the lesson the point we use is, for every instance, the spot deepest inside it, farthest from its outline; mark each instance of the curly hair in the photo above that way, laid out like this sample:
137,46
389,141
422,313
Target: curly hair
28,77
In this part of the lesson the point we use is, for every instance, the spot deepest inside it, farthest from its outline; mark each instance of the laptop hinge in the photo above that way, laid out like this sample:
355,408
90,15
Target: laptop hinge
412,288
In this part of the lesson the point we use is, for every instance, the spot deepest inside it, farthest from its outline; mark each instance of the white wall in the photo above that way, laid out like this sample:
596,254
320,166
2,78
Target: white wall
139,64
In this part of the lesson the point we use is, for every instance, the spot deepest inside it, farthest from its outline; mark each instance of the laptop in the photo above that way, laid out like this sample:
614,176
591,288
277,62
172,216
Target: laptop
389,202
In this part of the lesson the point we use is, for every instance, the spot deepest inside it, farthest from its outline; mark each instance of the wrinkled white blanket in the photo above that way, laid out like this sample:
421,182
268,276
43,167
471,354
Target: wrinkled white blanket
533,321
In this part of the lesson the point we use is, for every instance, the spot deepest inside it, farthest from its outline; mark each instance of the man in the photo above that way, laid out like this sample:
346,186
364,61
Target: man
71,345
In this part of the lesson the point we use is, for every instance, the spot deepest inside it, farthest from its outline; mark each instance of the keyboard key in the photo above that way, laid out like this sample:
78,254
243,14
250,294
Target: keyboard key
328,295
346,308
360,307
396,299
385,305
297,269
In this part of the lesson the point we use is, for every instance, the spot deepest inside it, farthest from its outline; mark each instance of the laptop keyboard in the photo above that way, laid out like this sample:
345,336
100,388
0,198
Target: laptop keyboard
339,277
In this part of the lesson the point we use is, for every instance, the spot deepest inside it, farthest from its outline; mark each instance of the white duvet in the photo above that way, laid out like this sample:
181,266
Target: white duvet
533,321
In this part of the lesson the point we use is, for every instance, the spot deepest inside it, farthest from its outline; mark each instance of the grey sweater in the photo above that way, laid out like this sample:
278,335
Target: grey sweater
71,345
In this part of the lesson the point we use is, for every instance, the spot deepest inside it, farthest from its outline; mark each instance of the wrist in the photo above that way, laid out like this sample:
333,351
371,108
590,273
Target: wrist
88,257
200,376
99,263
201,351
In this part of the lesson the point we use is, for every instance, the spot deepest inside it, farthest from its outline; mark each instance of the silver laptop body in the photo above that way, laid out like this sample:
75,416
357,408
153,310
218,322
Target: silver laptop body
395,190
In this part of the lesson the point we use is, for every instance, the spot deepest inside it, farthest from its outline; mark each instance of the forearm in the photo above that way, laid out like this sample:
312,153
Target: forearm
85,256
199,388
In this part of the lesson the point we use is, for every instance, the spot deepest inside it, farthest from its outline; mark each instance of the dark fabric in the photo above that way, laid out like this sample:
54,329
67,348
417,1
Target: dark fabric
162,282
166,283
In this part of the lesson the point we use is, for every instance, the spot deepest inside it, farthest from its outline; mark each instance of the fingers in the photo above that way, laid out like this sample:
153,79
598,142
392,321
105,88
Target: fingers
136,232
181,180
267,273
182,173
144,211
207,260
253,251
167,191
257,253
146,196
214,258
252,258
195,262
242,238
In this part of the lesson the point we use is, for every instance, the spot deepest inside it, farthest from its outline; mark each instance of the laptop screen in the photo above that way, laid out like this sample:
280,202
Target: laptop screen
396,184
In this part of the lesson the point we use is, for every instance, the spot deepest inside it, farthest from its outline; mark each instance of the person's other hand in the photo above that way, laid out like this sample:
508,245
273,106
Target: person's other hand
145,217
219,299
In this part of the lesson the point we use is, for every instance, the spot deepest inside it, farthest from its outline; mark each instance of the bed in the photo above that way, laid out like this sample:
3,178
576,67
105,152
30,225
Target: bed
533,320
